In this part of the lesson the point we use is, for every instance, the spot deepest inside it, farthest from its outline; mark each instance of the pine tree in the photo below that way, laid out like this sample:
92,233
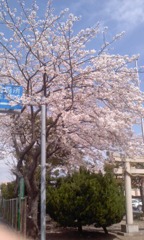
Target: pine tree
86,198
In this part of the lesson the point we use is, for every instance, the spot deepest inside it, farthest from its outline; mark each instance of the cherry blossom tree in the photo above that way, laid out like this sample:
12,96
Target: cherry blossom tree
91,95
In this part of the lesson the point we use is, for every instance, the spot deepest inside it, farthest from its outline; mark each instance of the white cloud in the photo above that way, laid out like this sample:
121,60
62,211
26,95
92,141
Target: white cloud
126,13
123,14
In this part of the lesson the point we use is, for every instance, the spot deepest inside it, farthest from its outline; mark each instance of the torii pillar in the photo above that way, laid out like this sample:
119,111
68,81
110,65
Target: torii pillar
129,227
127,170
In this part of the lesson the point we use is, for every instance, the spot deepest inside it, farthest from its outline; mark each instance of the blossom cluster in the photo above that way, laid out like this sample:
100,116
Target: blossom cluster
92,95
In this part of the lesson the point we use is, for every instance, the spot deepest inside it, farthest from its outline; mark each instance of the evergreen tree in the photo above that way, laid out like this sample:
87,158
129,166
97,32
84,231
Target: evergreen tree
86,198
8,190
110,207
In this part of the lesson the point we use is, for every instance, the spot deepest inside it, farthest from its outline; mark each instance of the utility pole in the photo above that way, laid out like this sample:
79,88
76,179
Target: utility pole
43,164
141,119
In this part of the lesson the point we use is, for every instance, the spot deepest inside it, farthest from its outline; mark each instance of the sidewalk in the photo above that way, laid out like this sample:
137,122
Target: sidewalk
129,238
116,230
93,233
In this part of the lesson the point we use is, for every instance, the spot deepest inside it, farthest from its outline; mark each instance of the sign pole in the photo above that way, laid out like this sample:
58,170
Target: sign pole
43,165
43,172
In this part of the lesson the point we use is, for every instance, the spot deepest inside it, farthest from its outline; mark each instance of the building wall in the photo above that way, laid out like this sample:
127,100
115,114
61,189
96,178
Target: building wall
135,192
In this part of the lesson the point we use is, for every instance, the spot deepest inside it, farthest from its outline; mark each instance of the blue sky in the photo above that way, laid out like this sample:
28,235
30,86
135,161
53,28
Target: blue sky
117,15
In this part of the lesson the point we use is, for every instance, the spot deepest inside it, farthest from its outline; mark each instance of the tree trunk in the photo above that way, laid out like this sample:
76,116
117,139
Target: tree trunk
105,229
79,227
32,217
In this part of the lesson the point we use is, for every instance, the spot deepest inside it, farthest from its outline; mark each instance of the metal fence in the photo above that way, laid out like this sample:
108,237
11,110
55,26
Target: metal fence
14,212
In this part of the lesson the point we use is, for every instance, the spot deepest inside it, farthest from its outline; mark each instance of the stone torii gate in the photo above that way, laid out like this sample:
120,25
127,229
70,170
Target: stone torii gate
128,171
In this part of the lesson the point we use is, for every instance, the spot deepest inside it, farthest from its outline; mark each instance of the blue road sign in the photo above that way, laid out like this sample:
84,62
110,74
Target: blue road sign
10,93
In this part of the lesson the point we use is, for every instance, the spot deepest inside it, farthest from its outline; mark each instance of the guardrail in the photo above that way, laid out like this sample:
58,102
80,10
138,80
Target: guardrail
14,212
